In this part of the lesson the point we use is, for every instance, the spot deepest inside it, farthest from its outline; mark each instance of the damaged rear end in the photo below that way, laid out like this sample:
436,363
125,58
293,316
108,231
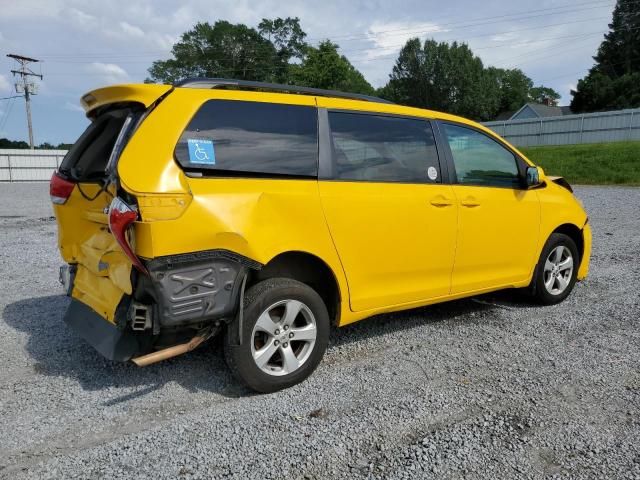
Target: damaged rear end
124,304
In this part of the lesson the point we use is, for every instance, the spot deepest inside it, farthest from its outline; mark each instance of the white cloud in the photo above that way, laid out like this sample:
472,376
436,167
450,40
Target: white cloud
31,9
74,107
82,20
109,72
389,37
506,37
5,85
131,30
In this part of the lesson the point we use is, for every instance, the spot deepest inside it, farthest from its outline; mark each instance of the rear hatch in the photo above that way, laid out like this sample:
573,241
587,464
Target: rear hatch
83,192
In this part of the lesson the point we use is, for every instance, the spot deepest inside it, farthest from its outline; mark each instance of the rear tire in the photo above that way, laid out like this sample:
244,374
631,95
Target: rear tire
557,269
285,332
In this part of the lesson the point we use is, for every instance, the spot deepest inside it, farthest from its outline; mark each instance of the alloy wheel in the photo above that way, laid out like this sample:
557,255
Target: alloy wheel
558,269
283,337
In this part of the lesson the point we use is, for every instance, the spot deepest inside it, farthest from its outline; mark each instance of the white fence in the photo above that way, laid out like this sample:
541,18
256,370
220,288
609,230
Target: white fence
600,127
17,165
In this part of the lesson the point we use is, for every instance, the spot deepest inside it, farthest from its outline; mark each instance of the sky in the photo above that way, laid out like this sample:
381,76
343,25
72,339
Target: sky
88,44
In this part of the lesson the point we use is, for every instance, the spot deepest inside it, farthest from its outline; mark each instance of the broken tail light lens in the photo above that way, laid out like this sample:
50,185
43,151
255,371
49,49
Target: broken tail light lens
121,217
60,189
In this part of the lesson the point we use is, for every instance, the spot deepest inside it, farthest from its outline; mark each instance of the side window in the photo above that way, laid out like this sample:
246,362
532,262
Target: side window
251,138
480,160
379,148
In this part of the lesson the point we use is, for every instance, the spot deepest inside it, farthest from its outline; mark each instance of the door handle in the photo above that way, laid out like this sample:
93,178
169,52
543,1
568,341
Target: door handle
470,202
441,201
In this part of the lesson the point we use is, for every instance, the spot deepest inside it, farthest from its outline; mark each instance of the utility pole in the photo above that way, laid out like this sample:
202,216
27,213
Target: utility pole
26,87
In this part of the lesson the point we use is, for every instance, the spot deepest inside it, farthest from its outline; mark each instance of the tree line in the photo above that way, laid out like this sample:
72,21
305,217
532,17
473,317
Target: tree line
613,82
6,143
427,74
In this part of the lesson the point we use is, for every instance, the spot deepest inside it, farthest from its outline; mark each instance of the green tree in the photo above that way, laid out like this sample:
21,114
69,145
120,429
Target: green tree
450,78
614,81
442,76
541,93
274,52
514,88
219,50
324,67
287,37
6,143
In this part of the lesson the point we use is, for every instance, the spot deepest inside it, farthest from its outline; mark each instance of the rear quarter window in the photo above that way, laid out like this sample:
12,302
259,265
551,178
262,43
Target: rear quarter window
251,138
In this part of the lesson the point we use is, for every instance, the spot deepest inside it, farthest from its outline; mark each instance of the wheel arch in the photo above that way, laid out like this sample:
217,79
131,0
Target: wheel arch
308,269
575,233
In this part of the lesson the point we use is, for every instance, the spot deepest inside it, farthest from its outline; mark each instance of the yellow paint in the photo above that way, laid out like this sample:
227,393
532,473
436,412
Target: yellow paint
104,271
492,252
395,246
145,94
390,246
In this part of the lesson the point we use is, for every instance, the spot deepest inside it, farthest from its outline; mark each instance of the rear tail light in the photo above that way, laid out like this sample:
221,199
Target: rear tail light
121,216
60,189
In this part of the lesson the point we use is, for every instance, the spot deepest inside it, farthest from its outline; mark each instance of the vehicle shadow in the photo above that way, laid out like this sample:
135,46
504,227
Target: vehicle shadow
58,351
407,319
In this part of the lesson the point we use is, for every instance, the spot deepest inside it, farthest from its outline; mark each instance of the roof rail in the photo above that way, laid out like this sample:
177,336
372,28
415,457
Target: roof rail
203,82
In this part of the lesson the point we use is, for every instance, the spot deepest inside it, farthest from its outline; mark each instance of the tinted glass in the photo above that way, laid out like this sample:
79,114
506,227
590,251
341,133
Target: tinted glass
380,148
251,137
480,160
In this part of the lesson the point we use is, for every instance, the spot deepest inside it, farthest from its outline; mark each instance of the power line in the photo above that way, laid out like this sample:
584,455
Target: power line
500,18
366,36
570,8
6,114
510,44
273,68
391,54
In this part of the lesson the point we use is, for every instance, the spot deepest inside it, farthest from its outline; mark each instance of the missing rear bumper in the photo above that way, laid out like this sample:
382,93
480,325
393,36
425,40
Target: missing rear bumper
105,337
199,287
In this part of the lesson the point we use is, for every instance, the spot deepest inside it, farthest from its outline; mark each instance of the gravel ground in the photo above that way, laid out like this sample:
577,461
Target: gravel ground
487,387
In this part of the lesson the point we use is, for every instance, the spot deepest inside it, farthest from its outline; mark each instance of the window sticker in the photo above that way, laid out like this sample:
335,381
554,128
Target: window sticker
201,151
432,173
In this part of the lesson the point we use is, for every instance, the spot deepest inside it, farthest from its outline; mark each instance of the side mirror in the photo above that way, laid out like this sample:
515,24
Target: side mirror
533,177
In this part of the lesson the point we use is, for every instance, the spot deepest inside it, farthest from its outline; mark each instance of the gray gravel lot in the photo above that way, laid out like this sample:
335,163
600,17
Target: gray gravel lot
486,388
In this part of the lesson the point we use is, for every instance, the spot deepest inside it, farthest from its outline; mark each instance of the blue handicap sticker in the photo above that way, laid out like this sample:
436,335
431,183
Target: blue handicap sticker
201,151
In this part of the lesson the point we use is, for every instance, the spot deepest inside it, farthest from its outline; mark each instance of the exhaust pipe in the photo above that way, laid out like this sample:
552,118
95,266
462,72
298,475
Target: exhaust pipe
170,352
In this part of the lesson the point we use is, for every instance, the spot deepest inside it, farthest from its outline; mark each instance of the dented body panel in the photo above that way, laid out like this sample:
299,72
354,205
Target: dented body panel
103,273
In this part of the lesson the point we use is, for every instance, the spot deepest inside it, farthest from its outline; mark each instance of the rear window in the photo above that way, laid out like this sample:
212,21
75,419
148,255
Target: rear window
87,159
253,138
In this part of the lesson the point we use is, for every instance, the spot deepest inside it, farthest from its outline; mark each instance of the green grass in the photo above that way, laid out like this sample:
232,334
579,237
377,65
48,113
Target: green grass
616,163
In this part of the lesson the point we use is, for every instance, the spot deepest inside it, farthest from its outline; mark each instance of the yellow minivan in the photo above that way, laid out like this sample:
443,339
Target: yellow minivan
270,212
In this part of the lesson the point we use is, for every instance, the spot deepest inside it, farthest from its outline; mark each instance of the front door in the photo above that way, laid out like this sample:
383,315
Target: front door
498,221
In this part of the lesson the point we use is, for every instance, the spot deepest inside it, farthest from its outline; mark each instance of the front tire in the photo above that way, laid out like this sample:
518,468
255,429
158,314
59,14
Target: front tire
285,333
557,269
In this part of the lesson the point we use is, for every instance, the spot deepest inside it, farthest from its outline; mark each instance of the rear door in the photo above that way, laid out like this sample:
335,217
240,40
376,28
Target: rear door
391,217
